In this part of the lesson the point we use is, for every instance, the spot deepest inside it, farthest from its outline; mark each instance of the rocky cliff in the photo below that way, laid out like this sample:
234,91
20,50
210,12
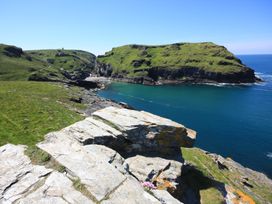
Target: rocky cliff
174,63
125,156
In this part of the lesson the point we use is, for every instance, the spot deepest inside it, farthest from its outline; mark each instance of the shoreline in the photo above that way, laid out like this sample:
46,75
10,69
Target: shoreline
101,102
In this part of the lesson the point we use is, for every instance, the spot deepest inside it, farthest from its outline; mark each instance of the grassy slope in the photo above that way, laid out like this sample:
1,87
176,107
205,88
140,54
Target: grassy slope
29,110
209,168
36,64
207,56
17,68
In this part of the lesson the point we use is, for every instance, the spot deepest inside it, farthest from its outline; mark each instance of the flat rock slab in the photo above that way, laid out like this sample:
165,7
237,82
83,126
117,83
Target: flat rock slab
23,182
99,177
56,189
130,192
92,131
145,131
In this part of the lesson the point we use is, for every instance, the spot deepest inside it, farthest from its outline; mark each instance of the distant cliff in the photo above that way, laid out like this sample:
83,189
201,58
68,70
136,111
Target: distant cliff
174,63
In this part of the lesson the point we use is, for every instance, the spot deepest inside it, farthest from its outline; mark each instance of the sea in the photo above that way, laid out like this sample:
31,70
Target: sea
231,120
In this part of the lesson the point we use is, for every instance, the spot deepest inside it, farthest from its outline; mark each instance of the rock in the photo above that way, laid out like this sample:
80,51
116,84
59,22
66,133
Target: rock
130,191
13,51
56,189
92,131
164,197
165,174
23,182
146,168
99,177
17,174
108,155
145,132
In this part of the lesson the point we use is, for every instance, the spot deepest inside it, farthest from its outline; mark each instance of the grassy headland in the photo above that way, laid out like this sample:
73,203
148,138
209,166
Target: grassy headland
175,61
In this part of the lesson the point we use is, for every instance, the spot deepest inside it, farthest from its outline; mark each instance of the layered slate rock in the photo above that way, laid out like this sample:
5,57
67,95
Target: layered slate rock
146,132
92,131
99,177
126,131
23,182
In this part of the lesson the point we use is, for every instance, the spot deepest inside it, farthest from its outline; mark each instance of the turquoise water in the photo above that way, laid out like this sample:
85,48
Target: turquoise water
234,121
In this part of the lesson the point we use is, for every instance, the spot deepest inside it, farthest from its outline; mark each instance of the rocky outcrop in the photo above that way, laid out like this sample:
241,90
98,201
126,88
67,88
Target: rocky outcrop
92,171
13,51
130,131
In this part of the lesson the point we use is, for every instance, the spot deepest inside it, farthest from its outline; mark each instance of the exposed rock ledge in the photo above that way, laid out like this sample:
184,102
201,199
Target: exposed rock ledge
88,152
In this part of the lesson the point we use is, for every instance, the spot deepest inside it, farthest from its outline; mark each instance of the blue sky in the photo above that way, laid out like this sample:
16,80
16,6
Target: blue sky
243,26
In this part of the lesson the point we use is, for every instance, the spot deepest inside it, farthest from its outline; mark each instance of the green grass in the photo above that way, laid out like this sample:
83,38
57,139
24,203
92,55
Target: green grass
45,65
205,164
211,196
206,56
29,110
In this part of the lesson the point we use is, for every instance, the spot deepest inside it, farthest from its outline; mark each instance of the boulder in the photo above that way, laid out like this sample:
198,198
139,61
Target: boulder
13,51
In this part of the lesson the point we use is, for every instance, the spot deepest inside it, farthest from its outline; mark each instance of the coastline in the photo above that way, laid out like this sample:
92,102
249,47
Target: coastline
101,102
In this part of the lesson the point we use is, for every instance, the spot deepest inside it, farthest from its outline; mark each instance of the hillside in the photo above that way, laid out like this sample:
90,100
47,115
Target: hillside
181,62
44,65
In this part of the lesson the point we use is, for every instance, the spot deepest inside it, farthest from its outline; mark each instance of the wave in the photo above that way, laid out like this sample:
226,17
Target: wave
264,76
269,155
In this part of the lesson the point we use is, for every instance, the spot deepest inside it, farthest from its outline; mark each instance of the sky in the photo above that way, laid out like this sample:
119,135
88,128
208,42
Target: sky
243,26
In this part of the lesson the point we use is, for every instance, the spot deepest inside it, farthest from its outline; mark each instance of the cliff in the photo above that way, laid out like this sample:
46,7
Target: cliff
174,63
120,156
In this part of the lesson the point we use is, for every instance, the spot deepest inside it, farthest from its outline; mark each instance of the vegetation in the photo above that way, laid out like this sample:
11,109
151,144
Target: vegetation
212,176
29,110
44,65
206,56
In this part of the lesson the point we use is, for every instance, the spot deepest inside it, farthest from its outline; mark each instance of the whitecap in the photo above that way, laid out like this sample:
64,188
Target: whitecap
269,155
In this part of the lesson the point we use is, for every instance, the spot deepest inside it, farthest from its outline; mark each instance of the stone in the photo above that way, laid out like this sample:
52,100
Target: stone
57,189
145,168
164,173
99,177
130,192
108,155
145,132
17,174
22,182
92,131
164,197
